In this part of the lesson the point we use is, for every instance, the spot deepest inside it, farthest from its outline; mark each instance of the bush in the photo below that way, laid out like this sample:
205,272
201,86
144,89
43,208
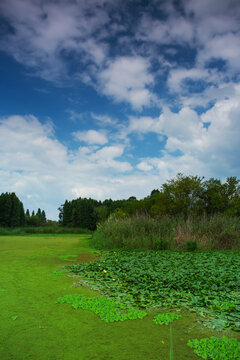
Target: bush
190,246
161,244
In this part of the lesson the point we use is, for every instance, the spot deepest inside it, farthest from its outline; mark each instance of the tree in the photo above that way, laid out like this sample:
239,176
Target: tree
132,198
79,213
11,210
214,199
154,192
43,217
102,213
185,195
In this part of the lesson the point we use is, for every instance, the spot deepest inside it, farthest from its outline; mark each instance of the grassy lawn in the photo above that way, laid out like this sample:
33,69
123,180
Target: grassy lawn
33,326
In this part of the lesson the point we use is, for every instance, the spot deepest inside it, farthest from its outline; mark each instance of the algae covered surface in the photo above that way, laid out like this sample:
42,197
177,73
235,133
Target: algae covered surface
34,326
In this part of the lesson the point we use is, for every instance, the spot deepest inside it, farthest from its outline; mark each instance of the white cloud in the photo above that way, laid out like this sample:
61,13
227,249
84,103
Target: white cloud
91,137
109,152
225,47
210,95
210,151
106,156
213,7
49,37
177,76
42,171
173,30
104,120
182,125
143,124
127,79
45,32
64,41
29,145
217,30
144,166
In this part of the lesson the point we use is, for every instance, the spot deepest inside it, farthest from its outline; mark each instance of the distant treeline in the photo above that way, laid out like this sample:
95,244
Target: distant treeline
12,213
183,196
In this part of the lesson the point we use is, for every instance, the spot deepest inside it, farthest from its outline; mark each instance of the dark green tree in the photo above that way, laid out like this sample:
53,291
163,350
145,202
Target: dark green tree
11,210
185,195
43,217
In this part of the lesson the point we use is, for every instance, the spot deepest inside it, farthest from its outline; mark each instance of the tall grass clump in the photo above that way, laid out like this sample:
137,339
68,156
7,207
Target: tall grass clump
139,232
218,232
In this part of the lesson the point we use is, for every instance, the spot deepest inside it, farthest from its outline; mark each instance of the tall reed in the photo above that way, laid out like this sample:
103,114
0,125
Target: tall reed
142,232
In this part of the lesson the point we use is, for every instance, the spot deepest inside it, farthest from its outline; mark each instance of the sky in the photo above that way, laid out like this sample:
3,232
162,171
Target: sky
111,98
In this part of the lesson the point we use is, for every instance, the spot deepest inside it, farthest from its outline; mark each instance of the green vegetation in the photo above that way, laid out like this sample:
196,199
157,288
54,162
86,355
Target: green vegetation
37,219
79,213
205,282
145,271
33,326
143,232
107,309
32,230
11,210
183,196
216,348
165,318
12,213
190,245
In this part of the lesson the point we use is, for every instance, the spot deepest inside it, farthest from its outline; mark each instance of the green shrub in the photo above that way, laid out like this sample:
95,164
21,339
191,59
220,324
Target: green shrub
161,244
190,245
216,348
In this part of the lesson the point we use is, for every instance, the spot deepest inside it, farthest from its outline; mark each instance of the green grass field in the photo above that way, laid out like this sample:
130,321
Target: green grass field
33,326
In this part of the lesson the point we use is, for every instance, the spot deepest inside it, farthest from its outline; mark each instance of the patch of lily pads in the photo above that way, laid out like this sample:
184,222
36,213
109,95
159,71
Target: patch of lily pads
205,282
216,348
165,318
107,309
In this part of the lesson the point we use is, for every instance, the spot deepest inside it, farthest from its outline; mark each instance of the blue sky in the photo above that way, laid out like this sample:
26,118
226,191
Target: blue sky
109,98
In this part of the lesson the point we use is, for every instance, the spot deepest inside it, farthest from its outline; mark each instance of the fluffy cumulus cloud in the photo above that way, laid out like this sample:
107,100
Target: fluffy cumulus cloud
205,144
91,137
42,171
127,79
122,57
46,32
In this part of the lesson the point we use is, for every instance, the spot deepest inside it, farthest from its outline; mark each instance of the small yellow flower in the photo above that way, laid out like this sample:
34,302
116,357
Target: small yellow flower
105,271
114,279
